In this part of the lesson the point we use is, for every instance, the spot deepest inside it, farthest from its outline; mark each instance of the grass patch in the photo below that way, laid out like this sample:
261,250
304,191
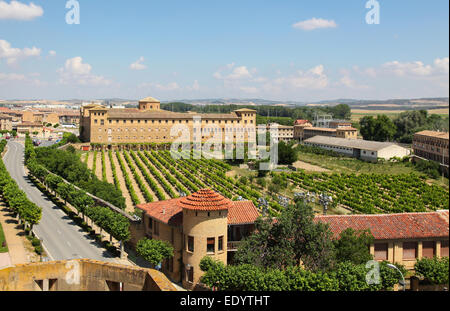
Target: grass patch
3,246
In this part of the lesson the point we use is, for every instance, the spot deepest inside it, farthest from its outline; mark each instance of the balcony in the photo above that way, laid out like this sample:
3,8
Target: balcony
232,246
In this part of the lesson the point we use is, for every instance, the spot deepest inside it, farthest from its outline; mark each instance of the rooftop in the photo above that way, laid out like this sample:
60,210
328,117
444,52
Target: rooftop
149,100
392,226
171,211
350,143
324,129
205,200
443,135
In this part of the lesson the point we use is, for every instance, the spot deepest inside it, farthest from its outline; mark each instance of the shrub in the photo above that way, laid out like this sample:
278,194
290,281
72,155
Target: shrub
434,270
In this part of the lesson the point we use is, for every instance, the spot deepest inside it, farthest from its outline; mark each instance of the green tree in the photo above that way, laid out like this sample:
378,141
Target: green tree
292,239
353,246
286,154
64,190
154,251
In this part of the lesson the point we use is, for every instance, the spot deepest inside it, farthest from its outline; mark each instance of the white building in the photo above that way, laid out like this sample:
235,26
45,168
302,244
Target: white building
358,148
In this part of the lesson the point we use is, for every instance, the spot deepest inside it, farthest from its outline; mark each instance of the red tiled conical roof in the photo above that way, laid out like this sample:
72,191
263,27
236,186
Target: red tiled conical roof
205,200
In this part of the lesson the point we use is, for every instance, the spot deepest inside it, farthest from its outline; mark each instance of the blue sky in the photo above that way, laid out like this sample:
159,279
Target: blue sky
208,49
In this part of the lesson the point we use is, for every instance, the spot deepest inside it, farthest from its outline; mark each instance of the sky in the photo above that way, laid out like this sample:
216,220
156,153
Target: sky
277,50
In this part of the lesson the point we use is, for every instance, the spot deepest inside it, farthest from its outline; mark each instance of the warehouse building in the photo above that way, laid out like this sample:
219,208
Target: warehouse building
358,148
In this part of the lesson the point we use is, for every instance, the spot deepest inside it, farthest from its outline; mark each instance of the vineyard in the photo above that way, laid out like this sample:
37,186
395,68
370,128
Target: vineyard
147,176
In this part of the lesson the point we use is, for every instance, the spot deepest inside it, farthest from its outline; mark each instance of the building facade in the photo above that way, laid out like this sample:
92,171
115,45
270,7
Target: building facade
202,224
358,148
398,238
5,122
433,146
150,124
343,132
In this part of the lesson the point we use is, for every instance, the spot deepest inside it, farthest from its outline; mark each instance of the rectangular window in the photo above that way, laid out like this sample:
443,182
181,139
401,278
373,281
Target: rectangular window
190,243
210,245
444,248
409,250
428,249
381,251
190,275
150,223
156,228
220,243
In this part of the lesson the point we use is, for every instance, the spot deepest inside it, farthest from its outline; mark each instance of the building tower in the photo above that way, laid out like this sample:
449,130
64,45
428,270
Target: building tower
205,227
149,103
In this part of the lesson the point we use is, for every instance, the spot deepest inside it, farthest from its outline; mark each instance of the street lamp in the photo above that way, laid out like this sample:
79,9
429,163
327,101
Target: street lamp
263,204
403,278
324,200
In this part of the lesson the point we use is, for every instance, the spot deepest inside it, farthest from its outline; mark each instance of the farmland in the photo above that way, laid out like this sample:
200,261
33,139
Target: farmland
149,175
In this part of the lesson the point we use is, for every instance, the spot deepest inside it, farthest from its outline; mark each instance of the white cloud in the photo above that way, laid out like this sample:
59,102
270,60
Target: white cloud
315,78
52,53
12,77
77,72
196,86
13,54
138,64
249,89
417,68
315,23
19,11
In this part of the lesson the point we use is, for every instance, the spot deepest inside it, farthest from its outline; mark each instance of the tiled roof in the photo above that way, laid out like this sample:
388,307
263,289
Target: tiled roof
242,212
320,129
392,226
167,211
171,211
300,122
205,200
443,135
149,100
350,143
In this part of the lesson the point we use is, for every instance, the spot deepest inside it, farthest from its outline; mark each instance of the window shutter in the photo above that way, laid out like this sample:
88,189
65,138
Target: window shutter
428,249
409,250
381,251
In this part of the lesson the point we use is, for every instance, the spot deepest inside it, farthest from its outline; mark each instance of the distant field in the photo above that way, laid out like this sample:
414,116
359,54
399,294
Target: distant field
357,114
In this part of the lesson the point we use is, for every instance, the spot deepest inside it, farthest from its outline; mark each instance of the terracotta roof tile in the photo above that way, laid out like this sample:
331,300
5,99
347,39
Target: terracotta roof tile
171,211
242,212
392,226
168,211
205,200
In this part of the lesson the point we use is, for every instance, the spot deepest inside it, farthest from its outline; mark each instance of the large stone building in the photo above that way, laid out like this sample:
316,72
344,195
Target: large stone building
150,124
5,122
299,125
398,238
358,148
343,132
434,146
202,224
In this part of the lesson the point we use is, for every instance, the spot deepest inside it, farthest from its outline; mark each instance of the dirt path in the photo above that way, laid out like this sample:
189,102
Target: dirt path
309,167
123,187
155,198
98,167
89,161
133,181
109,174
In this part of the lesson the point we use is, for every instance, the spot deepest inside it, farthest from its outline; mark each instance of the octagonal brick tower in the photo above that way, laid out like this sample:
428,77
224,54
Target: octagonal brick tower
204,231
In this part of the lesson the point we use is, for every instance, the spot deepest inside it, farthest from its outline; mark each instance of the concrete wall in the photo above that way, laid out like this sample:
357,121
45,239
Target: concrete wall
393,151
81,275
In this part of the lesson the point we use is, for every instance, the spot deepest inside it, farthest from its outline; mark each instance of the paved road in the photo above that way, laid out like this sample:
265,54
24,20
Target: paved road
63,239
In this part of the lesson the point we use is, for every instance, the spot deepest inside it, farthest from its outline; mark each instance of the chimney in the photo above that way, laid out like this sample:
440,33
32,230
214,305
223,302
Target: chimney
164,211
